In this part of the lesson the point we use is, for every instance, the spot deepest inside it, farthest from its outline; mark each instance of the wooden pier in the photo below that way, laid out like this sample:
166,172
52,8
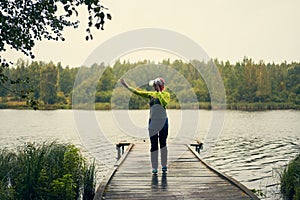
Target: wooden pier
188,177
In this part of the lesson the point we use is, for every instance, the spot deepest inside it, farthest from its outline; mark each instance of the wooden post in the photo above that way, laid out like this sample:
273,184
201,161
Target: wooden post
198,146
120,147
119,151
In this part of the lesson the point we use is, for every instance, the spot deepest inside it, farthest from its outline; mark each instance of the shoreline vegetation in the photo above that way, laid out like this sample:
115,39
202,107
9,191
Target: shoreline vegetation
248,85
290,179
50,170
21,105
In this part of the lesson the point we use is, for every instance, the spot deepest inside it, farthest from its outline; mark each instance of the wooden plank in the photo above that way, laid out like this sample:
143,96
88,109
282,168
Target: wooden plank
105,181
187,178
230,179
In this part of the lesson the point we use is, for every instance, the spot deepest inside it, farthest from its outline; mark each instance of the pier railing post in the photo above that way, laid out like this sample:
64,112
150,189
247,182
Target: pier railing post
120,147
198,146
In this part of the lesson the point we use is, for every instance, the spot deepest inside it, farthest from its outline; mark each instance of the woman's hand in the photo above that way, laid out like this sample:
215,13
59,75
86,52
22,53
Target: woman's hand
123,82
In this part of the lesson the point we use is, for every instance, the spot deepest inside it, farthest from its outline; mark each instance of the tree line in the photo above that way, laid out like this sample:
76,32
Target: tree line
248,85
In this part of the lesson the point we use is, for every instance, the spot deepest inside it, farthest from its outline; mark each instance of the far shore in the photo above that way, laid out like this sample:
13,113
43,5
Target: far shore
257,106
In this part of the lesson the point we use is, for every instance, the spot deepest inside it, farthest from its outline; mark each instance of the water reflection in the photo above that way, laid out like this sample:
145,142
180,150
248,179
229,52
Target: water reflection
164,181
154,182
163,185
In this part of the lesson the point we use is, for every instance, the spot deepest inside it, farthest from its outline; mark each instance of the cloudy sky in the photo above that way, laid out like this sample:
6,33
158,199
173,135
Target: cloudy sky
266,30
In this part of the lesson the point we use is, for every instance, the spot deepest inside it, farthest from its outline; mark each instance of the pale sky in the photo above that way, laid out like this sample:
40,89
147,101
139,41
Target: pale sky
266,30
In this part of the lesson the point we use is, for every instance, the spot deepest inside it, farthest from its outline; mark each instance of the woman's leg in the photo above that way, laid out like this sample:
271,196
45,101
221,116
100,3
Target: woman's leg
153,134
154,151
163,135
155,125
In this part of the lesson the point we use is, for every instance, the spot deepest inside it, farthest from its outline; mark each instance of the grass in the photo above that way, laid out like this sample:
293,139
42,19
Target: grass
254,106
290,180
257,106
46,171
258,192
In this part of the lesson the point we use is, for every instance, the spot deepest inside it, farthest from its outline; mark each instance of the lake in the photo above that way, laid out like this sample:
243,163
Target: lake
252,147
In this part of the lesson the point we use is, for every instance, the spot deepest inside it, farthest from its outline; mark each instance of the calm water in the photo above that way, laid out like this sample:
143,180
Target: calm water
253,146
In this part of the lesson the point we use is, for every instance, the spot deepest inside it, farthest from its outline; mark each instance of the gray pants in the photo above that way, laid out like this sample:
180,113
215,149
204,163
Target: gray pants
158,132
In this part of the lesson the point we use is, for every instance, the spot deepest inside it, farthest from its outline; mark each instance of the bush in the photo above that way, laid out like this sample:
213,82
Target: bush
290,180
47,171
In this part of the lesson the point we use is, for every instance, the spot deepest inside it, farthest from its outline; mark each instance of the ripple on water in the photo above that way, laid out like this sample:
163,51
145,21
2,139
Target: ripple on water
253,147
254,161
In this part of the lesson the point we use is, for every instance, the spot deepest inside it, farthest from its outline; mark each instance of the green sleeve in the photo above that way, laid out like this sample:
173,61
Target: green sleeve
145,94
164,98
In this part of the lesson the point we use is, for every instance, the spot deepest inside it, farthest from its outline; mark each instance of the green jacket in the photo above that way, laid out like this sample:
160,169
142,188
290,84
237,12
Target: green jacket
158,102
163,97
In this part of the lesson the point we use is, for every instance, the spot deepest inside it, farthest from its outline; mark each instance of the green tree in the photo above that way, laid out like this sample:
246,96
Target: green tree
34,75
250,85
278,82
66,80
247,82
230,82
107,80
201,90
22,23
293,78
20,84
48,84
263,92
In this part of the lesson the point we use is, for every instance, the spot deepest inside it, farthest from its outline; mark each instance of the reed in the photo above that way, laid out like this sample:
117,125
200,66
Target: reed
6,163
89,188
46,171
290,180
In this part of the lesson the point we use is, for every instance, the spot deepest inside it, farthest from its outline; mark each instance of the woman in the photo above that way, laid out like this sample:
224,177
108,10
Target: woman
158,121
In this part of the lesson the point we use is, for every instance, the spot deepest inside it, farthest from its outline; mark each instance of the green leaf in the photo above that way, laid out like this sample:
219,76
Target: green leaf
66,7
97,9
108,16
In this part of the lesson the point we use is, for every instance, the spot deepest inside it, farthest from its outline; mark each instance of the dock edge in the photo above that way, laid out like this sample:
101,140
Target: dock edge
225,176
